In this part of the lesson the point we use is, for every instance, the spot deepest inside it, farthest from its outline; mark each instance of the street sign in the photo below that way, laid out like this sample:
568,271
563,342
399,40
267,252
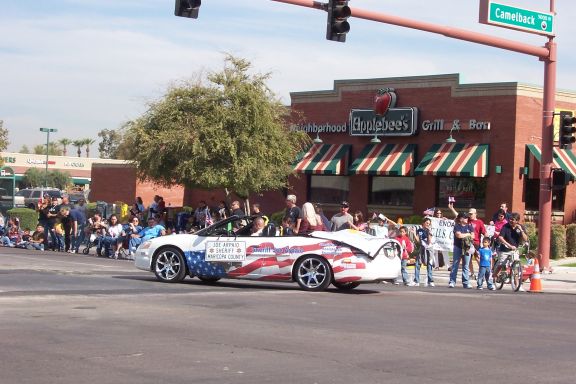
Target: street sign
507,16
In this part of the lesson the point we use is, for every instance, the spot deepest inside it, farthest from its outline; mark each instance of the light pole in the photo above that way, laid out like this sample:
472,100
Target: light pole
47,130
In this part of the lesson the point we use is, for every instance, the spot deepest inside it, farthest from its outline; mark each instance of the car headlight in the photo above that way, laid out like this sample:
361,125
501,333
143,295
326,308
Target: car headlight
146,245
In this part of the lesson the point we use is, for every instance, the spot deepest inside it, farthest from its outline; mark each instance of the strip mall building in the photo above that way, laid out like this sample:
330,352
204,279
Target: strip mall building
495,157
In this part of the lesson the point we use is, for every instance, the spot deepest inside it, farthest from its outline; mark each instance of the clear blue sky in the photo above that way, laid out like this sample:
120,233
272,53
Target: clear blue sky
85,65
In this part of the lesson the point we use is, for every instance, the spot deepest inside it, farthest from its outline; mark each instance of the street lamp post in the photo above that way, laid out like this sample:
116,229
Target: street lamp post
47,130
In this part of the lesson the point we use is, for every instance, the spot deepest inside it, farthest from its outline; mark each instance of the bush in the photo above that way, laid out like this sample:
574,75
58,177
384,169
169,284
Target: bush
558,242
532,233
571,240
28,217
414,219
276,218
90,210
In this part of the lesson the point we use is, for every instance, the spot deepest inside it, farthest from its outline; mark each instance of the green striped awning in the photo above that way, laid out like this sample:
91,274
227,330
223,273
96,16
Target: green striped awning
385,159
324,159
446,159
561,158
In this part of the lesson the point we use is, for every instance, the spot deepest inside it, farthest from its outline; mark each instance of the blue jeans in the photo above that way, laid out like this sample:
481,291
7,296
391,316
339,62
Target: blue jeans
78,237
36,246
107,242
134,243
403,271
456,256
485,272
429,269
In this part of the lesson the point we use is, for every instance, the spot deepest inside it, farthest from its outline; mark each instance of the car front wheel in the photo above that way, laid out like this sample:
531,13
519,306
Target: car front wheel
170,265
313,273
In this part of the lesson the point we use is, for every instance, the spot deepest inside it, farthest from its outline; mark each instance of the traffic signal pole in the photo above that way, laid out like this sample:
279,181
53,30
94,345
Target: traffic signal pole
547,54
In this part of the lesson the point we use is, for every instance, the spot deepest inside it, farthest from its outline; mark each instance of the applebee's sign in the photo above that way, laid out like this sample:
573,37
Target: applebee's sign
385,119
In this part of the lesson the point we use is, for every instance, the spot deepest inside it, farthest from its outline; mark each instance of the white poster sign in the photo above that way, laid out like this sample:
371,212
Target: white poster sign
225,251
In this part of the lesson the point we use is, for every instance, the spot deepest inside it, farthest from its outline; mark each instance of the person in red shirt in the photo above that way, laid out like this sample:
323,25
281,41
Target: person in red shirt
479,231
407,248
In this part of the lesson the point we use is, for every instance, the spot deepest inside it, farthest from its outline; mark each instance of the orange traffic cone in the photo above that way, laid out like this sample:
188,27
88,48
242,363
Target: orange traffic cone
535,281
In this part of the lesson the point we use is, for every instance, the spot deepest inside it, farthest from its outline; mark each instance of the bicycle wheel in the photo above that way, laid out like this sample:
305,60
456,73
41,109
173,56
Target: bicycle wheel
516,275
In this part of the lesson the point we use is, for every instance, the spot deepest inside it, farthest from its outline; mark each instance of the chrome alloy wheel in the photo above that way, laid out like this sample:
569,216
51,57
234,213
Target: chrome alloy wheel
313,273
169,266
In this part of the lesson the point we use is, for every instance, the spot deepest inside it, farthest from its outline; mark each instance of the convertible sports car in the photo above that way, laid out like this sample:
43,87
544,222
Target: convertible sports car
226,250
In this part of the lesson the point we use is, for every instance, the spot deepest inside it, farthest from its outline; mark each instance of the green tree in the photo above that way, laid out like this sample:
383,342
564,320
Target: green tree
88,142
3,140
228,131
65,143
110,140
59,179
34,177
24,149
53,149
78,144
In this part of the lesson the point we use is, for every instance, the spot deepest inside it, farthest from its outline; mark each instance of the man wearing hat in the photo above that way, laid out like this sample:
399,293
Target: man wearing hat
479,231
342,219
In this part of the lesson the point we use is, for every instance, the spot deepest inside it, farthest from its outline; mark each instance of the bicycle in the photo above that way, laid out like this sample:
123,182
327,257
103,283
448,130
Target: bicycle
512,271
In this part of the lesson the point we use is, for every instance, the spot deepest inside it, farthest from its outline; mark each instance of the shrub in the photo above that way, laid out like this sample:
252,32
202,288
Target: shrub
558,242
414,219
276,217
28,217
571,240
532,233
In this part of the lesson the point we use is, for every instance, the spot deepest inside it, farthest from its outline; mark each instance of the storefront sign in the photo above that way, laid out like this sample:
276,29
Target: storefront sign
320,128
38,161
73,164
396,122
9,159
442,125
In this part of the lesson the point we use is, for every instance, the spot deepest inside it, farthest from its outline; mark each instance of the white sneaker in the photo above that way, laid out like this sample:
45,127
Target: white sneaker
412,284
430,284
451,285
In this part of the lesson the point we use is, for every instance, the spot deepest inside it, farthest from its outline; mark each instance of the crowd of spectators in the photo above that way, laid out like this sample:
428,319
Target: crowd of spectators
63,227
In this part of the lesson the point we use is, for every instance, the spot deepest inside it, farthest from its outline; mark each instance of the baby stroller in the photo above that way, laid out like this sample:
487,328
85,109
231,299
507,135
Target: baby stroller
90,241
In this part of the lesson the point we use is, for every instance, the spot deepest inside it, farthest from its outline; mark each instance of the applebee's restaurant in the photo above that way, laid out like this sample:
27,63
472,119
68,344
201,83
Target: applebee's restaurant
430,138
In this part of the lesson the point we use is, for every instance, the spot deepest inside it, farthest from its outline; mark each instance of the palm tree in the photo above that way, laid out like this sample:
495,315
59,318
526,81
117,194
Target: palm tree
64,143
88,143
78,144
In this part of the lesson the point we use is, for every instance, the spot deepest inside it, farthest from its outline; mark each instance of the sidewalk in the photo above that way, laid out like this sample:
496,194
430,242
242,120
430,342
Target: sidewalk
561,280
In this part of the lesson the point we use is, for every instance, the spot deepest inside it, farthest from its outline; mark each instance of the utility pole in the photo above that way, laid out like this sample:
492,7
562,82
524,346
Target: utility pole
547,54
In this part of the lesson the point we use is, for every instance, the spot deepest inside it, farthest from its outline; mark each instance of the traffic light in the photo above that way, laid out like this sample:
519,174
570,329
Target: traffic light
567,129
338,27
560,178
187,8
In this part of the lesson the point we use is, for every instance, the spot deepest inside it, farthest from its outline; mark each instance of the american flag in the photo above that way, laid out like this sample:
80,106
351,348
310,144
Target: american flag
199,267
208,220
429,211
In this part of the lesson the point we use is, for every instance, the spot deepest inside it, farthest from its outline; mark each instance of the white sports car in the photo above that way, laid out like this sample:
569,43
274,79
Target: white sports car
226,250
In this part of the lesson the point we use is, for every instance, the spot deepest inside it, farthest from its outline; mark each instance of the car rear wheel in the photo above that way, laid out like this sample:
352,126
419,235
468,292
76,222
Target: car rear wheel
346,286
170,265
313,273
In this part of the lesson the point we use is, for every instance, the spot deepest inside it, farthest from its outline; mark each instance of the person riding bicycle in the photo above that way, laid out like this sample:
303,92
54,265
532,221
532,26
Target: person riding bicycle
512,236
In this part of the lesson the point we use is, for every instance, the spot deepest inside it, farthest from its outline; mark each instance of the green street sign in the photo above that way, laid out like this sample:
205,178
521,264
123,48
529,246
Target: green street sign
507,16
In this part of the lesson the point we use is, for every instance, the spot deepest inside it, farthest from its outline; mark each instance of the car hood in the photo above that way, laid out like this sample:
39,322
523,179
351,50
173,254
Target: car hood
360,240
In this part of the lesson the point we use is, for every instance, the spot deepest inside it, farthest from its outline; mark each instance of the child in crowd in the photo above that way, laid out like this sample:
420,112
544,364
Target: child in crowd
485,264
287,228
407,248
59,232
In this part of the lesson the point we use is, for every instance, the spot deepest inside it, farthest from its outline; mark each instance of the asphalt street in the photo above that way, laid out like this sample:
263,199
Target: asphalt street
73,318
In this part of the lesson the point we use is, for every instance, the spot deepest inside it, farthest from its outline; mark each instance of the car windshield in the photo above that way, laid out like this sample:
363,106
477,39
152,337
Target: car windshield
232,226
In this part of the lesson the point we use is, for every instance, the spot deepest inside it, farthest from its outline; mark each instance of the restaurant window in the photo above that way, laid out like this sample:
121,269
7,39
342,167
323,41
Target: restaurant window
532,196
468,192
329,189
389,190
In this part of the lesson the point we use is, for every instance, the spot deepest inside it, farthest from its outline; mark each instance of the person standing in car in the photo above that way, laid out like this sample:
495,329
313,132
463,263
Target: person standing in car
342,220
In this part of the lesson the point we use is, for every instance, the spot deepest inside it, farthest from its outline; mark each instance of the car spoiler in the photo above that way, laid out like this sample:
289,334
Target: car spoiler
366,243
